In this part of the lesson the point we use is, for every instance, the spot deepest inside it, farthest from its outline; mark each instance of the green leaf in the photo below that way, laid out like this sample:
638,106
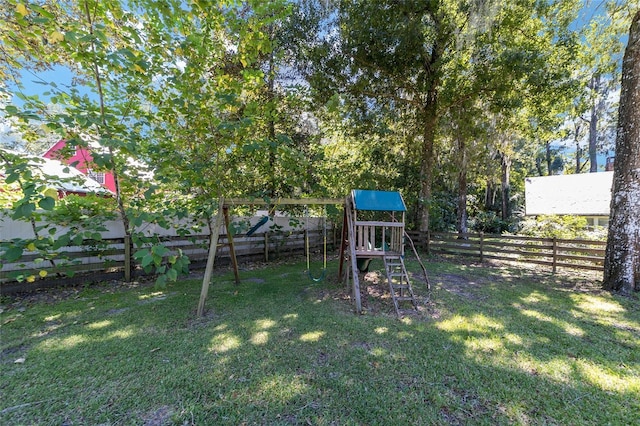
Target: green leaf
161,281
172,275
42,11
140,254
24,210
11,109
62,241
149,192
12,177
12,254
147,260
159,250
137,221
47,203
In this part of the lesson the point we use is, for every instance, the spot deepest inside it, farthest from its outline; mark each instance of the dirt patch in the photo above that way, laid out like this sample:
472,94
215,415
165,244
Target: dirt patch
460,285
64,293
117,311
376,299
159,417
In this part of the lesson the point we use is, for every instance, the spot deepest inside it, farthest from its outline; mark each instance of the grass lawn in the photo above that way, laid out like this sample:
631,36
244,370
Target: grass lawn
494,345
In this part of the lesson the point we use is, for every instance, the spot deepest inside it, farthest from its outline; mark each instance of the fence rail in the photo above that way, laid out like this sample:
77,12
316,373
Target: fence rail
107,258
553,252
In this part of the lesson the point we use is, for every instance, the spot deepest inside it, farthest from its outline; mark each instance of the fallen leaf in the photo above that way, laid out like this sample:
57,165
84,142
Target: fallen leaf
19,361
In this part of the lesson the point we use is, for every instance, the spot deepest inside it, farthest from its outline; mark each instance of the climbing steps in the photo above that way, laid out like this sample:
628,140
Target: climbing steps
399,282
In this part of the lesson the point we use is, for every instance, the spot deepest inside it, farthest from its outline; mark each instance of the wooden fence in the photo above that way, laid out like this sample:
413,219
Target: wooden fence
108,258
553,252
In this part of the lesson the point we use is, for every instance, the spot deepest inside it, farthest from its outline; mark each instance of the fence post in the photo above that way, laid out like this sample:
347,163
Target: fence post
266,247
334,230
127,258
427,243
481,246
555,253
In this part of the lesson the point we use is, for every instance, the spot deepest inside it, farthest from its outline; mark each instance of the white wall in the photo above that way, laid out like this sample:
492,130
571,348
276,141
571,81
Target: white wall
10,229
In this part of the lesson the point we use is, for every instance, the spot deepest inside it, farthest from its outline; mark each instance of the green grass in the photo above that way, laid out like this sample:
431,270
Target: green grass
493,346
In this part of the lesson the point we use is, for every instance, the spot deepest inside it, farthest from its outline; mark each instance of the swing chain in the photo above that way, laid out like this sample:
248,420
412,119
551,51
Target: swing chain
324,233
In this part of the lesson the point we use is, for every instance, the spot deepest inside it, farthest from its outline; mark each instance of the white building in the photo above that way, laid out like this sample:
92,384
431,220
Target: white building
587,194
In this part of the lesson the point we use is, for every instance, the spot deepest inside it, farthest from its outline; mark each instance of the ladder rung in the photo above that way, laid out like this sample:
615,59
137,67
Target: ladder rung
401,285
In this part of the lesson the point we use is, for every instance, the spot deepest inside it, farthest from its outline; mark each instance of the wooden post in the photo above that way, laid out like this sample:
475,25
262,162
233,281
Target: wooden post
213,247
334,230
232,249
555,253
343,245
354,262
481,247
127,259
266,246
427,244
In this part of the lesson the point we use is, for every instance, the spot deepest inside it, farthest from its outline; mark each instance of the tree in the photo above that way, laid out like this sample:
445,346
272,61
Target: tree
622,258
390,55
600,61
118,63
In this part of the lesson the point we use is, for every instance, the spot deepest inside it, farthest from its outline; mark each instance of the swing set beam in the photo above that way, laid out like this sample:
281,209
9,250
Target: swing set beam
223,217
282,201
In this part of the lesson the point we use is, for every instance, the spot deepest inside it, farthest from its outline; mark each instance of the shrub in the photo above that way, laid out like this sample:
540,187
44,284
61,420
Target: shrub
488,222
554,226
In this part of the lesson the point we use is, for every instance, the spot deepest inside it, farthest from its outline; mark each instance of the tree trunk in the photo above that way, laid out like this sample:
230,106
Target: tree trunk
576,138
271,129
505,185
462,189
548,158
426,160
593,125
622,258
490,196
539,166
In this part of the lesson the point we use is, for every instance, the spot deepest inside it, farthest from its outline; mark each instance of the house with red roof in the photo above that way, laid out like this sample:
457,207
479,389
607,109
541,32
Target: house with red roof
82,160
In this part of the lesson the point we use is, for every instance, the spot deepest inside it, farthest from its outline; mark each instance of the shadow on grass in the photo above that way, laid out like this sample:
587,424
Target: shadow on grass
506,346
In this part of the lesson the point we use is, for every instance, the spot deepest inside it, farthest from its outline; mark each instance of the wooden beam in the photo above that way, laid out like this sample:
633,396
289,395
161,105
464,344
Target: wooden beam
232,248
213,247
282,201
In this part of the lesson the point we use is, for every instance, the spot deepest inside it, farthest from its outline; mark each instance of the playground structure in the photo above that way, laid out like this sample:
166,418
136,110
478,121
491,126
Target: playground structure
362,240
365,240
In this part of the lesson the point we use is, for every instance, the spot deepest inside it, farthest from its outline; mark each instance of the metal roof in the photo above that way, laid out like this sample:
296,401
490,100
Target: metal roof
390,201
585,194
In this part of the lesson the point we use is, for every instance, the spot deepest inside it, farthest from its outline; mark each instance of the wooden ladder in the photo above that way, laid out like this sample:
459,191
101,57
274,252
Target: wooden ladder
399,283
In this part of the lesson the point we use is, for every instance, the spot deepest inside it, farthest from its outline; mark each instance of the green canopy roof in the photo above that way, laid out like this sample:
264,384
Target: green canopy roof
390,201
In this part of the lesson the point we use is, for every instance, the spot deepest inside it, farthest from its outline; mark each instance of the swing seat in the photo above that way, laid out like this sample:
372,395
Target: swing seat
323,273
257,226
363,263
